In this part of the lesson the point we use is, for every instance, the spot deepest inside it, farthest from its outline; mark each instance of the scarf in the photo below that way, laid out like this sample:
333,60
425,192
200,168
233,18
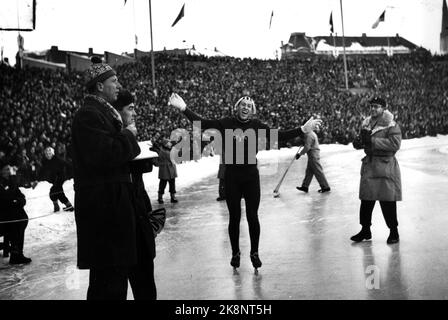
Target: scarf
115,114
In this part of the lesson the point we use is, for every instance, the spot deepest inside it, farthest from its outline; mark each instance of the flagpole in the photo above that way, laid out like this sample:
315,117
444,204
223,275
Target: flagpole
135,28
152,53
343,45
334,44
388,45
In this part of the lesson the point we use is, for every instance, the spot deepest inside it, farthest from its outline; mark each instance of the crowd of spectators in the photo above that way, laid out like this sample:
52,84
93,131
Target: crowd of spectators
36,106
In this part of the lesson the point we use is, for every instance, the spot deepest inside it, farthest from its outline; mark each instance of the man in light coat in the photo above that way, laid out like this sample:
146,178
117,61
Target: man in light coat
167,171
380,173
313,168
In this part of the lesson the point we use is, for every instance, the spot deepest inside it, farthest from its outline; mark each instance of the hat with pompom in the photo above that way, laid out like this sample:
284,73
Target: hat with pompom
98,72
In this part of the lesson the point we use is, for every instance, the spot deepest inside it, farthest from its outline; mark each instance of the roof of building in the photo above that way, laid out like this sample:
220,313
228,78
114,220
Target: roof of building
300,41
367,41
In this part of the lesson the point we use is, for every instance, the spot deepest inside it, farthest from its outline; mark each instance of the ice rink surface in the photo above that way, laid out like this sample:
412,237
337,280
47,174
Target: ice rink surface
304,244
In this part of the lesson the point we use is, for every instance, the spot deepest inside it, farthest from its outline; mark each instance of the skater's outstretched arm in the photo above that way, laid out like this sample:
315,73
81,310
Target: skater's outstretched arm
179,103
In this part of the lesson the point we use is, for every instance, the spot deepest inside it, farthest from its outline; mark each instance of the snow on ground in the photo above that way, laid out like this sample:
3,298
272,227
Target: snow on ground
51,228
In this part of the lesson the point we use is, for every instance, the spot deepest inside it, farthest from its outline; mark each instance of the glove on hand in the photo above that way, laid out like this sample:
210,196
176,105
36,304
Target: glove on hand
366,137
311,124
177,102
357,143
155,147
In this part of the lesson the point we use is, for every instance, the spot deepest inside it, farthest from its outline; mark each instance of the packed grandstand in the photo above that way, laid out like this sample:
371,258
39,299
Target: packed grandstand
37,105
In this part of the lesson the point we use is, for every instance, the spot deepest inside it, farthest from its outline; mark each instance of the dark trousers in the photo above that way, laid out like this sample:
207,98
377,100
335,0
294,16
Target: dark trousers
243,183
221,188
172,185
389,209
111,283
15,236
57,193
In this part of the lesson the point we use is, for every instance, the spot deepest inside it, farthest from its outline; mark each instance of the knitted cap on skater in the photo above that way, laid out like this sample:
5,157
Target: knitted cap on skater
247,98
98,72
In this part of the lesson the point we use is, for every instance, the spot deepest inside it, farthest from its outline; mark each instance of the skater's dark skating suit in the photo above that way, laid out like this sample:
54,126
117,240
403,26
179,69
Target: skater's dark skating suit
242,180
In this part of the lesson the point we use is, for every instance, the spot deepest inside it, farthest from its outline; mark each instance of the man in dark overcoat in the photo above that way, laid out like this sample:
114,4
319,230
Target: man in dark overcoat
142,282
105,208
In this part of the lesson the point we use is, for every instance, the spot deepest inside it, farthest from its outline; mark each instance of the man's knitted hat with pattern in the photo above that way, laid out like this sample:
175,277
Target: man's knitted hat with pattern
98,72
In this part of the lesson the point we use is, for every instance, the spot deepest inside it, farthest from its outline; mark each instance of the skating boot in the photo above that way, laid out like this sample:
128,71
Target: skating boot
364,234
256,262
173,198
18,258
393,236
304,189
235,262
68,207
56,206
160,198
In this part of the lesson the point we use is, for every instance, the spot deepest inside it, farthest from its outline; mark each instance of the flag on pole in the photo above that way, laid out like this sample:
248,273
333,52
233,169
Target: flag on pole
331,22
179,16
270,21
381,18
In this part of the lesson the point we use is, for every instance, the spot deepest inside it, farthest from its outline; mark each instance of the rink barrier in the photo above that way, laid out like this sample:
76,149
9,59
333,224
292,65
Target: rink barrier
33,218
38,217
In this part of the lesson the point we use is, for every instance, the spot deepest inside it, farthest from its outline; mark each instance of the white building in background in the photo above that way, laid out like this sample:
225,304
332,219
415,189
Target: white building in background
301,45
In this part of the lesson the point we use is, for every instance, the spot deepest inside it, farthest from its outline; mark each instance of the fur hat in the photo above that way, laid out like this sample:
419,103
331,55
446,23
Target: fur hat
98,72
124,98
379,101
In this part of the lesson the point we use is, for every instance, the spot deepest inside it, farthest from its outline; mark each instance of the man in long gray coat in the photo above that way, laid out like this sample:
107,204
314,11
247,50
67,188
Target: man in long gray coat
380,173
313,168
167,171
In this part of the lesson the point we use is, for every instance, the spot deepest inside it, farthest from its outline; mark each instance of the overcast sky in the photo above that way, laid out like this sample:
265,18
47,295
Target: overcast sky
235,27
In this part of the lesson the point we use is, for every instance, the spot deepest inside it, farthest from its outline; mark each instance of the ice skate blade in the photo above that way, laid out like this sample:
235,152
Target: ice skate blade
364,240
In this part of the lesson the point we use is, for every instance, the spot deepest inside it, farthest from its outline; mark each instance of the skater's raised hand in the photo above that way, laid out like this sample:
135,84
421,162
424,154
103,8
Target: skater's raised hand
311,124
177,102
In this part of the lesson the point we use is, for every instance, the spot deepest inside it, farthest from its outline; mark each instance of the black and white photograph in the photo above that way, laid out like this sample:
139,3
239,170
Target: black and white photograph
222,155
